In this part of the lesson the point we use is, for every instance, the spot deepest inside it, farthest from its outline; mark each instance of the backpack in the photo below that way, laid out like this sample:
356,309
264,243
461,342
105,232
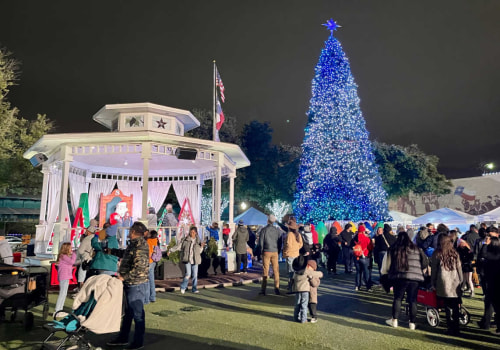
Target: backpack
156,255
357,250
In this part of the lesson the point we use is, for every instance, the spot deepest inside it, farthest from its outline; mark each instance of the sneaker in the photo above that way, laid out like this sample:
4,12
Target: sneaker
412,326
196,291
183,291
237,273
277,291
392,322
116,342
262,292
356,289
314,320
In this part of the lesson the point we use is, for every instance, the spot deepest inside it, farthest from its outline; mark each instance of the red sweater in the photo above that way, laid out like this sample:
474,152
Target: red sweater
366,243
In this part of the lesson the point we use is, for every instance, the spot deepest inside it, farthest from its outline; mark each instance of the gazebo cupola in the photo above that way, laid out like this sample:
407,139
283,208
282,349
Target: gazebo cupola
146,116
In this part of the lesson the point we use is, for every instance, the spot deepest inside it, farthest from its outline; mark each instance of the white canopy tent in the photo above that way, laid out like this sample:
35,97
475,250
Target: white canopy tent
401,218
144,154
493,215
450,217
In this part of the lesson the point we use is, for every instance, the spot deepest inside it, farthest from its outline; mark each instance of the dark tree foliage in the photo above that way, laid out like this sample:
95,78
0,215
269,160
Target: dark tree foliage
408,169
227,133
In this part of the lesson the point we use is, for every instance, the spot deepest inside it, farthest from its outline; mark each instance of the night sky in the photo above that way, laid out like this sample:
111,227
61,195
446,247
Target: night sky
428,71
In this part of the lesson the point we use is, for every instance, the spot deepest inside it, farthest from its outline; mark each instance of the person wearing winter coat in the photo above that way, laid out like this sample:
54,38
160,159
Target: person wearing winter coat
303,273
102,262
6,254
85,251
466,255
447,279
190,248
152,243
152,219
133,272
240,239
345,239
492,274
268,242
314,282
406,262
214,231
362,262
292,244
331,245
384,239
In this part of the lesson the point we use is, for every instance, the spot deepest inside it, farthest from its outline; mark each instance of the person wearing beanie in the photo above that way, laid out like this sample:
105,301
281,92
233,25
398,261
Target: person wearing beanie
85,251
331,245
240,239
314,282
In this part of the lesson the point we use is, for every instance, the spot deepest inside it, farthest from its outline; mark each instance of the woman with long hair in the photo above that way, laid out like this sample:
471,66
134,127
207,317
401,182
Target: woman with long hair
66,259
406,264
447,279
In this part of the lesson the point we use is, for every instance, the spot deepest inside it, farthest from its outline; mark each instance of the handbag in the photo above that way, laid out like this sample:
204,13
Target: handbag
86,265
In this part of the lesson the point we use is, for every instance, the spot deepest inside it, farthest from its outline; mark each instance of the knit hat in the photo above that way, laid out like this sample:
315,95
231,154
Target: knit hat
387,228
241,223
299,263
361,229
307,228
313,264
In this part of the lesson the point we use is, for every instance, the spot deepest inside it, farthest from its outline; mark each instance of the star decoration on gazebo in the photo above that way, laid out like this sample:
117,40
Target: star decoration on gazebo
331,25
161,123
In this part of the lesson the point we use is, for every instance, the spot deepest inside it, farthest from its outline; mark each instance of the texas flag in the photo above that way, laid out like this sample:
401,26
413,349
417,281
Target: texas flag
219,115
465,193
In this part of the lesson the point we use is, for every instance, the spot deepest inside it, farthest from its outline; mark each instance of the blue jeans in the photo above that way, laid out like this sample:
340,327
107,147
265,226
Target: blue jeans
151,296
362,272
63,291
191,271
134,298
348,258
289,267
300,311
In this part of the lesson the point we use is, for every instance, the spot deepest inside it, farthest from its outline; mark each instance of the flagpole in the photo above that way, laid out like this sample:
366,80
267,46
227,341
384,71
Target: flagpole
214,131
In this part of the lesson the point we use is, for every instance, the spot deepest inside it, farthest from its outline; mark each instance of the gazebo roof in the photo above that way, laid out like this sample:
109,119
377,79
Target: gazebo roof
107,114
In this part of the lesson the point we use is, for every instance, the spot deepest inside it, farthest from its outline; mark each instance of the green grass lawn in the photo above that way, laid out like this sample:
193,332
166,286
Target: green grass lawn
238,318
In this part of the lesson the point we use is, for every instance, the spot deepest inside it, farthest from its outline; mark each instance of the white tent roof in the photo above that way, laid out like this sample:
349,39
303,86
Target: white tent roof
446,216
398,216
493,215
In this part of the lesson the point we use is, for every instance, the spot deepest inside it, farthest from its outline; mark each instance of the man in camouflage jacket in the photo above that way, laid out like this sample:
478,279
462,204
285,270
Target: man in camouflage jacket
133,271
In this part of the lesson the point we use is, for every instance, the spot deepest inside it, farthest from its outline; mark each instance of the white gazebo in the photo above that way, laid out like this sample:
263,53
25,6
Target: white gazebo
143,153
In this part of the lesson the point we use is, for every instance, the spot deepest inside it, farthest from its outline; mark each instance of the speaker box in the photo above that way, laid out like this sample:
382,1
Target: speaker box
186,153
38,159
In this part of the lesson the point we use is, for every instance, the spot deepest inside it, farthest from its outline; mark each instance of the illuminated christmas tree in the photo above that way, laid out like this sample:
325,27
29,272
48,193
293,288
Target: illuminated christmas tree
338,178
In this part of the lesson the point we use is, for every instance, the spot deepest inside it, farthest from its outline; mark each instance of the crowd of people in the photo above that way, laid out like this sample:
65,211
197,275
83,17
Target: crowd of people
439,260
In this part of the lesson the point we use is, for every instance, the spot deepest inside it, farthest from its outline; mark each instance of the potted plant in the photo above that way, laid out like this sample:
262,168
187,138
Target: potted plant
210,260
170,265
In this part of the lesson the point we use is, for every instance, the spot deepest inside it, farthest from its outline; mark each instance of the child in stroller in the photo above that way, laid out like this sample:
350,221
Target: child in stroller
97,308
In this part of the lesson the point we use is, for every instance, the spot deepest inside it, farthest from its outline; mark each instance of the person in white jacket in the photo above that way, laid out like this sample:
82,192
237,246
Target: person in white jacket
85,250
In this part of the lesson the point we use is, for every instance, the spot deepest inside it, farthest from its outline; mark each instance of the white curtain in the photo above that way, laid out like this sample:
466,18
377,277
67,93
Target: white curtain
157,192
188,189
132,188
98,186
53,202
77,186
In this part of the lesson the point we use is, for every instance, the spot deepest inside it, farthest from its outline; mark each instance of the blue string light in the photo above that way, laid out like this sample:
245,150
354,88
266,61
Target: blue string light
338,178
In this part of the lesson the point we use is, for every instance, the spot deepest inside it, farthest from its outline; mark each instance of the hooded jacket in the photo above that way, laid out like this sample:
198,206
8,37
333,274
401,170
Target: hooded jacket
240,239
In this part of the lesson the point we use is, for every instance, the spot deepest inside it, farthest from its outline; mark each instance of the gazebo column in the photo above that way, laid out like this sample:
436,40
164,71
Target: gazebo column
200,196
62,223
146,157
45,189
231,196
217,187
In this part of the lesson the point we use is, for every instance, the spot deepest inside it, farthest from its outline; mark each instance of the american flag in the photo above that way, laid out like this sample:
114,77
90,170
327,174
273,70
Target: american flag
218,82
219,115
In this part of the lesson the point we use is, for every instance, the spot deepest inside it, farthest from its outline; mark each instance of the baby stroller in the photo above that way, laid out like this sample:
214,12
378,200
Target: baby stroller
23,288
433,305
96,308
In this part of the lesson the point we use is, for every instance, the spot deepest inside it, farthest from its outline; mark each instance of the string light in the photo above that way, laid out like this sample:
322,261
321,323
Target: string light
338,178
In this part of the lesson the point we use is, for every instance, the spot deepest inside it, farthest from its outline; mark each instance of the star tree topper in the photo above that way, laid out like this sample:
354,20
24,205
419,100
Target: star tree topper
331,25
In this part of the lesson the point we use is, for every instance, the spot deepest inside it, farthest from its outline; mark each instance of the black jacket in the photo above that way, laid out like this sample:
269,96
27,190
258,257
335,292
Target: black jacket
346,238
